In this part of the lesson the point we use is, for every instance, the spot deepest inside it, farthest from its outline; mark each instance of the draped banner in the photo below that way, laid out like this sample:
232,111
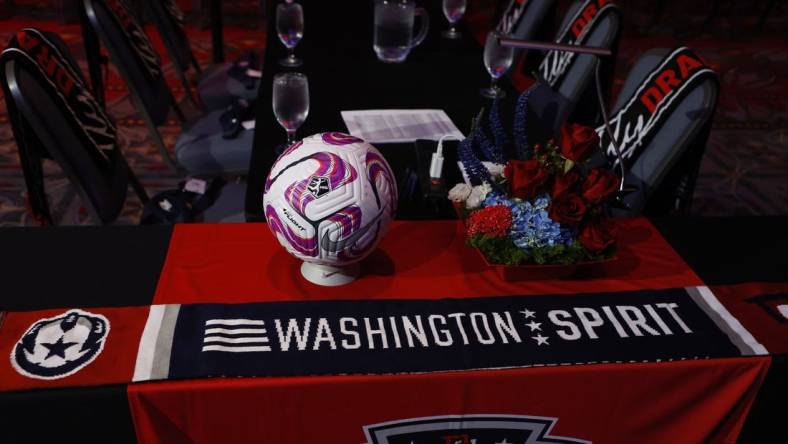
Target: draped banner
368,337
406,336
388,378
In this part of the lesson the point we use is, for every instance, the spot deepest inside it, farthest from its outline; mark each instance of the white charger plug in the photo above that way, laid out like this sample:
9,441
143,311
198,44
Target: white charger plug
436,164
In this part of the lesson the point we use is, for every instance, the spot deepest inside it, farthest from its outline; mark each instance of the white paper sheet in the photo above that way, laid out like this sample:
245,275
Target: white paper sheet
399,125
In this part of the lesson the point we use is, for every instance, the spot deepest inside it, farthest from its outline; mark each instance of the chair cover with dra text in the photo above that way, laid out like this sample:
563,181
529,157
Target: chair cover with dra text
528,20
588,23
54,114
661,122
219,85
202,149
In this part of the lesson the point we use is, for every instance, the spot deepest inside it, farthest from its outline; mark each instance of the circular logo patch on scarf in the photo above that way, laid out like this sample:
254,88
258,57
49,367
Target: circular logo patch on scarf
53,348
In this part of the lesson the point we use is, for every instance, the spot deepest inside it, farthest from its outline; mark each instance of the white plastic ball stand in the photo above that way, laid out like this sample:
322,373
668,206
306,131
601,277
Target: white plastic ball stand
329,276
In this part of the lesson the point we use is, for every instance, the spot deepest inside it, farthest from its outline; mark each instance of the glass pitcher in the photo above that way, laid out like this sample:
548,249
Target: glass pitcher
394,20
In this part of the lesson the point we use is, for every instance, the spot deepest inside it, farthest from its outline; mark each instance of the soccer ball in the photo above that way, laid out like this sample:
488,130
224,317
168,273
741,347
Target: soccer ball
330,198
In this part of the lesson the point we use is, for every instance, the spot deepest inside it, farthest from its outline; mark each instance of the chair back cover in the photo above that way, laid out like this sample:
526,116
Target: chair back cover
53,113
661,121
522,18
132,53
528,20
168,18
587,23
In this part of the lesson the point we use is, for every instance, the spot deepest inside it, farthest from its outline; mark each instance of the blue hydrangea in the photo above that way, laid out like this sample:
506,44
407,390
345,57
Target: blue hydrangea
497,198
533,228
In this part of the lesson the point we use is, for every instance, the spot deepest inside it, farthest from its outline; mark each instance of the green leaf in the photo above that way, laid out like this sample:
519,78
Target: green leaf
503,251
568,165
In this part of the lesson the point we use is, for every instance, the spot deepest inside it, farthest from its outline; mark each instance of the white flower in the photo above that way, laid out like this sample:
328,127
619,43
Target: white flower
482,189
473,202
477,196
495,169
460,192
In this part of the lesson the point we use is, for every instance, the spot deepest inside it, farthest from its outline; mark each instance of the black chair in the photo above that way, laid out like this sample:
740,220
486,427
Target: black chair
665,170
530,20
54,115
219,85
523,20
577,84
204,147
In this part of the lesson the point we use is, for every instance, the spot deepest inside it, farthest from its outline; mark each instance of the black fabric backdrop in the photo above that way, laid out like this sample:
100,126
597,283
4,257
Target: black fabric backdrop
80,266
730,250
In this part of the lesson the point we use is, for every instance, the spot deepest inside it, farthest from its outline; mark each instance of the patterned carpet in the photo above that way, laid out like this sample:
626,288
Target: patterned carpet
243,33
745,168
744,172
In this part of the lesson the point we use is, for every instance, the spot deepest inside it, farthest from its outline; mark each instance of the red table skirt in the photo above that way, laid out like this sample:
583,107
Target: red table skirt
689,401
679,402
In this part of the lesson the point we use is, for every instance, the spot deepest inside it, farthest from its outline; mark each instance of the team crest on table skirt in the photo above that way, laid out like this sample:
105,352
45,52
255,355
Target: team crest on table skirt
56,347
467,429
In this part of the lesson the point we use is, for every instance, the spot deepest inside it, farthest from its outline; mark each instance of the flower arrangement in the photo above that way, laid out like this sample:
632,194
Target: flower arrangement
540,204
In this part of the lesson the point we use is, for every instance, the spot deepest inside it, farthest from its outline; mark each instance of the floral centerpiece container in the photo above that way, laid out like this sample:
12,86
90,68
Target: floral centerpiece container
536,212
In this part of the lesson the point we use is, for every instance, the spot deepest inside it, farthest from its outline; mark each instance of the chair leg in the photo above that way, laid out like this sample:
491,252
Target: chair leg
154,133
177,109
187,89
195,64
32,166
136,185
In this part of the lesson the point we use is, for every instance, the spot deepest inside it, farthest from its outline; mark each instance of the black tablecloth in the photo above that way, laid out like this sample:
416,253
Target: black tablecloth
81,266
344,74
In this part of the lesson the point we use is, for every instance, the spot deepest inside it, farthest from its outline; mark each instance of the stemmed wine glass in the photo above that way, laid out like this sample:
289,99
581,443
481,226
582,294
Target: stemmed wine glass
290,102
290,28
497,60
453,10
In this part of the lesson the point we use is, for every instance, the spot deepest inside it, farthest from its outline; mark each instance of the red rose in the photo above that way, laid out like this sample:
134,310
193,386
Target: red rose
564,184
599,184
525,178
568,209
578,142
597,236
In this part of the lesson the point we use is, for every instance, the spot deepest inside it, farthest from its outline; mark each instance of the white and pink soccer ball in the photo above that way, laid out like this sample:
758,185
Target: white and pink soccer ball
330,198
